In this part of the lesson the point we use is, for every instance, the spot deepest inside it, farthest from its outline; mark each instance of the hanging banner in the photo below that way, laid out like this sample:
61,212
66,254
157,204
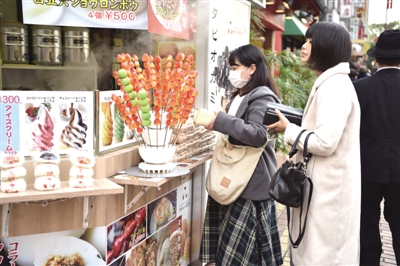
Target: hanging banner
169,18
128,14
229,27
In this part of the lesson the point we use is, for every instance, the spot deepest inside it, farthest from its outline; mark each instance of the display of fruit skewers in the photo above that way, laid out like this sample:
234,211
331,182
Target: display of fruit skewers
153,93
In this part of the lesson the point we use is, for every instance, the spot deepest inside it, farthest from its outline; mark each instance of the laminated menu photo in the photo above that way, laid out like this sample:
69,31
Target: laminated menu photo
58,121
112,131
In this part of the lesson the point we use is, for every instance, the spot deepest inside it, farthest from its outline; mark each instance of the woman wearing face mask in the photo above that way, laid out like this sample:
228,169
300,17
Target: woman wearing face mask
245,232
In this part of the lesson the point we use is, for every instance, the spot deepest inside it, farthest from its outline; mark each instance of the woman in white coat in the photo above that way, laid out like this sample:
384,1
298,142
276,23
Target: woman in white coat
333,114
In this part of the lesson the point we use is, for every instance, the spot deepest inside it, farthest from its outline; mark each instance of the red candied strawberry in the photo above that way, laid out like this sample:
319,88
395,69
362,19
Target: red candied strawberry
32,111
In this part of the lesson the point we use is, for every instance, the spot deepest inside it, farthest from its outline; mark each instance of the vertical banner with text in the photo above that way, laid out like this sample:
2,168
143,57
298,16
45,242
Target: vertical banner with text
229,23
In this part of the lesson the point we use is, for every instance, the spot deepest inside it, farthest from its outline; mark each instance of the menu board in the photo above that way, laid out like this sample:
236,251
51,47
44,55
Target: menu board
37,121
125,14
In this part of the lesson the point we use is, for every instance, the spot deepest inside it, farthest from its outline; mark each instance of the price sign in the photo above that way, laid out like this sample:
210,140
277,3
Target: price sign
9,122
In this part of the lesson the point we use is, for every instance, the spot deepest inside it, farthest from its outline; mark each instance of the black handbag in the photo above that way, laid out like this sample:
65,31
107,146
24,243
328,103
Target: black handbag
294,115
288,185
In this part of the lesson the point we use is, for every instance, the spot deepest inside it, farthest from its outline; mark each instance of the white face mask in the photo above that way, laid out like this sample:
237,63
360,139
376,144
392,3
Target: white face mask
235,77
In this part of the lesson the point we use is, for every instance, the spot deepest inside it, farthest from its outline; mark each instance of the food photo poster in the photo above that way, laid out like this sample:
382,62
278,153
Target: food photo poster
72,247
169,18
112,131
57,121
156,234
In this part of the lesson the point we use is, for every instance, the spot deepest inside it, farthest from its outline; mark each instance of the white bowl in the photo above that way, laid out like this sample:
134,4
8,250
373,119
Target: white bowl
28,243
154,155
67,246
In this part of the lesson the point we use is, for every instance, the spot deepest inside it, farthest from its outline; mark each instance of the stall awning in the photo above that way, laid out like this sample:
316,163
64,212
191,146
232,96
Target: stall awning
314,6
294,27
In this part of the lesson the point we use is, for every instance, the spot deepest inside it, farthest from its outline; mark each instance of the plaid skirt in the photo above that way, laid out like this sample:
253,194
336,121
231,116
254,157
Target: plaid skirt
242,233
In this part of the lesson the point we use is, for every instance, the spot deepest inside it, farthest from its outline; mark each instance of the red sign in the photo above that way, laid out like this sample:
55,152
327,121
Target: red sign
170,19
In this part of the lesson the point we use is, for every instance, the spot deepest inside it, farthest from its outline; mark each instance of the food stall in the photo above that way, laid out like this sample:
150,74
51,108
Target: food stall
81,195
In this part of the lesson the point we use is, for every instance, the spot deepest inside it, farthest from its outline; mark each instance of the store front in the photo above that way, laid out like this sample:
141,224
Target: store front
293,36
71,185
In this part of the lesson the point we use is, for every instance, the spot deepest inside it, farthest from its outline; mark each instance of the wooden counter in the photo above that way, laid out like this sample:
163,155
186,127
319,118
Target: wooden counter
126,179
140,185
36,212
100,187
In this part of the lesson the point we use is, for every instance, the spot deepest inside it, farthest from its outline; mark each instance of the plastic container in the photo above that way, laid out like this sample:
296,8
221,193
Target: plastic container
202,117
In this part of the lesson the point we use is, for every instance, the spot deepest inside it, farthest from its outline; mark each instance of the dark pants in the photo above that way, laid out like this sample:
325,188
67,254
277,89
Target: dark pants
371,245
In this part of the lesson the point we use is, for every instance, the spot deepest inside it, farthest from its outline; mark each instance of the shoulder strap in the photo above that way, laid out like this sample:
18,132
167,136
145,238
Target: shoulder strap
307,156
301,230
294,150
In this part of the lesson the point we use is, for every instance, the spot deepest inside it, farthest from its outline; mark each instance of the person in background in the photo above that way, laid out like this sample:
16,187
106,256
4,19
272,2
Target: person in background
353,74
333,114
246,231
379,97
363,72
353,71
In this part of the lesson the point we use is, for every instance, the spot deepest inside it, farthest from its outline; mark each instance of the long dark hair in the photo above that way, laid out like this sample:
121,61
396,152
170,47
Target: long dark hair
248,55
331,45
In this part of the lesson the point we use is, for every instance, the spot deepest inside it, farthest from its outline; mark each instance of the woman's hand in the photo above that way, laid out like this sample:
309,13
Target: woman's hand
281,125
210,124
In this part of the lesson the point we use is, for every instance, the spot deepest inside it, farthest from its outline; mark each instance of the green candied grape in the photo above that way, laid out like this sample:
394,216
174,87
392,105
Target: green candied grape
146,123
132,95
122,73
128,88
119,128
144,102
142,94
126,81
145,108
146,116
134,102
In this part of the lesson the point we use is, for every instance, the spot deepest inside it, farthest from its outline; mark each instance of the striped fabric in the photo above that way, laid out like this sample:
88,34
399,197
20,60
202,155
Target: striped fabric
243,233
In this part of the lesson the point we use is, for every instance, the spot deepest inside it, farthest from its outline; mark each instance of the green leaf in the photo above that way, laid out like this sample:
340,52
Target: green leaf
294,81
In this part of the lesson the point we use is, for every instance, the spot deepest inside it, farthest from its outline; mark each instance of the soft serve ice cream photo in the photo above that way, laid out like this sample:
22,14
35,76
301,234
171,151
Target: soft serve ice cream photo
74,133
40,138
56,121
